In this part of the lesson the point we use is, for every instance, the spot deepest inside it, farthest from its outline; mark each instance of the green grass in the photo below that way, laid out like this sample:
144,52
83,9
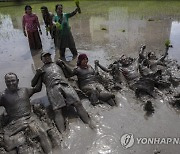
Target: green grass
141,7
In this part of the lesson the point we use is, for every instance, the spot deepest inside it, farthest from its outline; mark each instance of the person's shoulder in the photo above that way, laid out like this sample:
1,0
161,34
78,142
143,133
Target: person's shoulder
34,15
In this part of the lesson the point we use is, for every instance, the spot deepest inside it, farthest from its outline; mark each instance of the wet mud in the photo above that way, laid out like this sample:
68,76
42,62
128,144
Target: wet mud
104,35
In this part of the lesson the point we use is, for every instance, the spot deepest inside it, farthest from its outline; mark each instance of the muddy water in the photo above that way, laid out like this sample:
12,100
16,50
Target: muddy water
103,31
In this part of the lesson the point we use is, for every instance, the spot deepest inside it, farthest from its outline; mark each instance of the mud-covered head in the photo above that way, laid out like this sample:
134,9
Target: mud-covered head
44,10
59,9
28,9
82,60
46,57
11,81
125,61
152,56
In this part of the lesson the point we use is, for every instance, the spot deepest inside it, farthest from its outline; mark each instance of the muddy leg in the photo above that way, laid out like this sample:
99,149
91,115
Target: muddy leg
45,142
59,120
105,96
83,114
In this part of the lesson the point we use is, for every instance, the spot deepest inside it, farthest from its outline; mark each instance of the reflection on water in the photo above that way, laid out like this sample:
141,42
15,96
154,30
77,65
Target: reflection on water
175,37
102,36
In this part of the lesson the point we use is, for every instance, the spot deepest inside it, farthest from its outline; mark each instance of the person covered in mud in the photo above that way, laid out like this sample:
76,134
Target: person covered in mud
64,38
16,101
88,83
48,20
127,70
30,24
153,62
60,93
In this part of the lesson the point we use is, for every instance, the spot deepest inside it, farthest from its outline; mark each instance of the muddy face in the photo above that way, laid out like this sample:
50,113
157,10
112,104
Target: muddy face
46,59
11,82
84,63
152,56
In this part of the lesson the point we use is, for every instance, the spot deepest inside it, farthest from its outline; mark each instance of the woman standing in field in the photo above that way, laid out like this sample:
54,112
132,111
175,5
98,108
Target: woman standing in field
64,38
31,25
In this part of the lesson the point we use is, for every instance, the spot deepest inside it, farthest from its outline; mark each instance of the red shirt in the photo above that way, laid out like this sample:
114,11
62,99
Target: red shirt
30,22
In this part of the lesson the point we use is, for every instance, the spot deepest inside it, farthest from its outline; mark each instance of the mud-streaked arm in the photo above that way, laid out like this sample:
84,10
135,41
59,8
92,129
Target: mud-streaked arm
35,79
66,69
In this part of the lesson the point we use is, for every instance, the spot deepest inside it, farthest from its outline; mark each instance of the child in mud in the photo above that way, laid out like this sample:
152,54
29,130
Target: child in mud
30,24
64,38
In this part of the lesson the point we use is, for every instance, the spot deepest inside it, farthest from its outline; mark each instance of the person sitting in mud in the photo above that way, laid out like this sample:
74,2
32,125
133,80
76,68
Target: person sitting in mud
48,20
16,102
128,72
60,93
158,65
152,61
88,83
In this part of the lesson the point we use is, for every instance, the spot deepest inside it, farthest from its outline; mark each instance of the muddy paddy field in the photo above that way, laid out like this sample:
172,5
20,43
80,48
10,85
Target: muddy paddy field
104,31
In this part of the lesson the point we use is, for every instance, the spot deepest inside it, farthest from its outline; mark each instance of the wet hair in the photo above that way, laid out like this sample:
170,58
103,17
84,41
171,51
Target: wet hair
27,6
10,73
57,5
80,58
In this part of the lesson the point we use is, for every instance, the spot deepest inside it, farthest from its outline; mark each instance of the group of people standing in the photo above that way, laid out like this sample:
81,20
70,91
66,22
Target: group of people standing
57,25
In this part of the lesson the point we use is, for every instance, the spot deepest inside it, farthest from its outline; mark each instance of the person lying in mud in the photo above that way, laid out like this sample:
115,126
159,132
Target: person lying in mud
60,93
48,20
16,102
128,70
152,60
88,83
158,65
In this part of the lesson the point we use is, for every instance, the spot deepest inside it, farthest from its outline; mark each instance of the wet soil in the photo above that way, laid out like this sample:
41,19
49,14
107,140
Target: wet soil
104,31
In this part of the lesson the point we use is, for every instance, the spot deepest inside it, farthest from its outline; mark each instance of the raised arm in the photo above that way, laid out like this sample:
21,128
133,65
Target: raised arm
35,89
141,53
166,52
68,72
35,79
96,62
73,13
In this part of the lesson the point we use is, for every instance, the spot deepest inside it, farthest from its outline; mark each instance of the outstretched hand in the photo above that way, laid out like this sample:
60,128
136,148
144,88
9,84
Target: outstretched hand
96,62
60,62
39,71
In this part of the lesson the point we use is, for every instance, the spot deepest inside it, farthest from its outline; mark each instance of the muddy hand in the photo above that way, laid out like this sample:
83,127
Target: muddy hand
60,62
39,71
96,62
